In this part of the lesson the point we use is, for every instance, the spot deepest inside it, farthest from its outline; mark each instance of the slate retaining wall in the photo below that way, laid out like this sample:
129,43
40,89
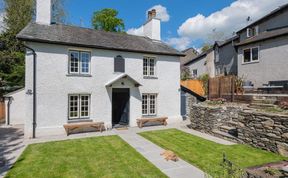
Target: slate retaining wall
262,130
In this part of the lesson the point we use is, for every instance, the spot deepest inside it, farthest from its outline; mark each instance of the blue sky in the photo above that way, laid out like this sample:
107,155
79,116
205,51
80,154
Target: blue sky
185,23
134,14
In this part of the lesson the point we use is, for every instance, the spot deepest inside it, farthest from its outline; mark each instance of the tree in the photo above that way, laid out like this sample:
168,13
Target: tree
17,15
185,73
59,14
106,19
12,54
206,47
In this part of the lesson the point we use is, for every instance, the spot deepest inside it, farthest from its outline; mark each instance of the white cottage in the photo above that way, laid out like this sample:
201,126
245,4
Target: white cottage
77,74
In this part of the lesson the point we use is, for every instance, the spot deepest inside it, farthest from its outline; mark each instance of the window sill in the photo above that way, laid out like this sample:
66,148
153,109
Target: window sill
79,75
244,63
149,116
79,120
150,77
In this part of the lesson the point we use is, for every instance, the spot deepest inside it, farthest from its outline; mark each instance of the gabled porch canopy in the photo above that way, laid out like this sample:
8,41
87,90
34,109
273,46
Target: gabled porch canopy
122,76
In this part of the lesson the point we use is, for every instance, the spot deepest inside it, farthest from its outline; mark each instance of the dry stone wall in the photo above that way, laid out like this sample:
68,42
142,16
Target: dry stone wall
262,130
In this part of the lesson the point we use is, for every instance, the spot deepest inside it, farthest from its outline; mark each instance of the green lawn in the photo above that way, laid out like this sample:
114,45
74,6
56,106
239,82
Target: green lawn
92,157
206,154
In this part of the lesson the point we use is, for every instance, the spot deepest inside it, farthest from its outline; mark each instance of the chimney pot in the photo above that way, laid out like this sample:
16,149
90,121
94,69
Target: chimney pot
153,11
151,14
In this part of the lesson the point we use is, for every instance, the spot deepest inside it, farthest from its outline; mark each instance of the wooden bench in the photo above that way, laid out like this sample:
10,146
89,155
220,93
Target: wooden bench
162,120
72,126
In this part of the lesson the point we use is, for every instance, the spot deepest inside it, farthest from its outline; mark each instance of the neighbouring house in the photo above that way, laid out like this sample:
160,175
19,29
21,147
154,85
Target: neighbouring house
226,57
202,64
77,74
190,54
263,49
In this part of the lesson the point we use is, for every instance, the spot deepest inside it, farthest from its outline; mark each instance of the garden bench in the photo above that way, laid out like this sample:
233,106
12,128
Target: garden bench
72,126
162,120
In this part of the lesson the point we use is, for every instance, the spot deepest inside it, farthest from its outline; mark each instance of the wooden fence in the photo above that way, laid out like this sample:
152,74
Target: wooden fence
194,85
221,87
2,111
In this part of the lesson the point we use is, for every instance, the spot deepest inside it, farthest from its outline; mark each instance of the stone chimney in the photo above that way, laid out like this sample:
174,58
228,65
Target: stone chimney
43,12
152,28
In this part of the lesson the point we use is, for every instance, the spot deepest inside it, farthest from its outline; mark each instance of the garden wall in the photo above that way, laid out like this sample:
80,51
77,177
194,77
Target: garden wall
262,130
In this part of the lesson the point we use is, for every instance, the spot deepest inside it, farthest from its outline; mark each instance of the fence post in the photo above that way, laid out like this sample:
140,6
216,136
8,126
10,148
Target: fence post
208,89
232,88
219,88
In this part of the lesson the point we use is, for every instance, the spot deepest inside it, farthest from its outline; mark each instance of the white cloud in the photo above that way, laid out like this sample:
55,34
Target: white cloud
161,12
180,43
227,20
136,31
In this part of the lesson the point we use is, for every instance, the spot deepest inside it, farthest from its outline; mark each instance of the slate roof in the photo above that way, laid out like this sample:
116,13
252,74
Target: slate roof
200,56
222,43
190,54
270,15
84,37
265,35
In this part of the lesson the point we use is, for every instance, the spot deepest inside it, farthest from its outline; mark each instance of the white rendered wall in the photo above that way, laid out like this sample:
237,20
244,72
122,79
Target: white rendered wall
17,108
152,29
54,84
43,11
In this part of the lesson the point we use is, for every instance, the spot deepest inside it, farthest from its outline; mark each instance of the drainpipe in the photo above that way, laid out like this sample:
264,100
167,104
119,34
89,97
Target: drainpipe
8,108
34,124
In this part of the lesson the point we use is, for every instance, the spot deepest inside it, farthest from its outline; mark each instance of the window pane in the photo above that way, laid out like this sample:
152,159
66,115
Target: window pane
144,104
152,104
84,106
73,103
152,67
255,54
145,66
85,62
247,55
74,62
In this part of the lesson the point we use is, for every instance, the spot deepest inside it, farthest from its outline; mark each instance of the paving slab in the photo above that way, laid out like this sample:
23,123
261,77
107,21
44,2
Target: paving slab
152,153
11,146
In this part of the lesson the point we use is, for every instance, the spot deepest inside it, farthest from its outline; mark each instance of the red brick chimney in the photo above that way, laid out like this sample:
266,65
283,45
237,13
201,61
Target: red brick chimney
151,14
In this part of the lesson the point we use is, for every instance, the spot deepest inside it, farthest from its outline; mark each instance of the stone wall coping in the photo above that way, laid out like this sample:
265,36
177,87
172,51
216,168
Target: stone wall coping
243,109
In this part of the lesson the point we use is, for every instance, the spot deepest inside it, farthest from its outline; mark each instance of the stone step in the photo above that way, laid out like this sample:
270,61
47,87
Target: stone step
261,106
224,135
225,128
260,101
264,97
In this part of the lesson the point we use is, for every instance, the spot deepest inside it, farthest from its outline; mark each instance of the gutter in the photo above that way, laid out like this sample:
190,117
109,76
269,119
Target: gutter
34,124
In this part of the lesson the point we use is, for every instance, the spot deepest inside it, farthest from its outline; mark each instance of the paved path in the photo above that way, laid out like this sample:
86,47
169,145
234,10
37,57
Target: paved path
152,153
11,146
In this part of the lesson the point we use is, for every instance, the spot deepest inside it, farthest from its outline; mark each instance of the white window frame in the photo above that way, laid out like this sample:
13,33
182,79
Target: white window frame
250,30
149,58
148,104
195,76
251,55
79,62
79,107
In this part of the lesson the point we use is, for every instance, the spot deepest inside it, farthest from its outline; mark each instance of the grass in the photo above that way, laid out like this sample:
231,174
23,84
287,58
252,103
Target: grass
92,157
208,155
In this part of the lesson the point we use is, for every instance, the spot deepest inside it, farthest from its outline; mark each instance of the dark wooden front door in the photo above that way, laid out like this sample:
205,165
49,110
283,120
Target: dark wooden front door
120,106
